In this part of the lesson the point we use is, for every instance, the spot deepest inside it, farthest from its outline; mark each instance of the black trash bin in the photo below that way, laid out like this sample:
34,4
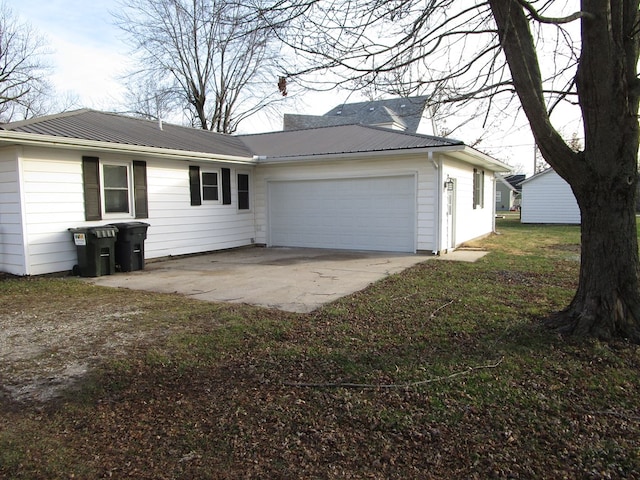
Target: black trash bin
96,250
130,245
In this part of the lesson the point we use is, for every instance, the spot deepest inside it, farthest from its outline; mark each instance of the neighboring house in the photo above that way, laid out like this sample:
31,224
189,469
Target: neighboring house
345,187
508,192
409,115
548,198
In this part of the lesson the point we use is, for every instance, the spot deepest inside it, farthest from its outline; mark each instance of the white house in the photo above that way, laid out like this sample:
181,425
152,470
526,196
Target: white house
345,187
548,198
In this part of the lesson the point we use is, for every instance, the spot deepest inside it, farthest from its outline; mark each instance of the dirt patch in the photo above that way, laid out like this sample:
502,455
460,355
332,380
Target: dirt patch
45,351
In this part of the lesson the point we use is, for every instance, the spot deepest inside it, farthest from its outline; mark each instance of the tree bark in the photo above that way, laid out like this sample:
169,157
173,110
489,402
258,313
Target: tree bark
604,176
607,302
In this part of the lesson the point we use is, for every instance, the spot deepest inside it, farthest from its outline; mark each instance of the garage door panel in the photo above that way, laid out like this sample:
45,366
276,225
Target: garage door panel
358,213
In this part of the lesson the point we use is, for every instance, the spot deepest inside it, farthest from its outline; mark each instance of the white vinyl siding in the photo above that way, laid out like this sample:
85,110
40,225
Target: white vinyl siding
548,198
42,197
470,222
178,228
54,202
12,255
418,167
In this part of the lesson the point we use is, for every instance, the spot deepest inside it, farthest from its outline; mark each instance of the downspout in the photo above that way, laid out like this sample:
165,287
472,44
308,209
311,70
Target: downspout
438,194
494,212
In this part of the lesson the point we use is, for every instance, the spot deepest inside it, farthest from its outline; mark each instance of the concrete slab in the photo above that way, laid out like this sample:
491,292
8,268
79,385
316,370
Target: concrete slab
290,279
462,255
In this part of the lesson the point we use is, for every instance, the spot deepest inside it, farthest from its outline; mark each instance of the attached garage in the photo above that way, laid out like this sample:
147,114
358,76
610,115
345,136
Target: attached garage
372,213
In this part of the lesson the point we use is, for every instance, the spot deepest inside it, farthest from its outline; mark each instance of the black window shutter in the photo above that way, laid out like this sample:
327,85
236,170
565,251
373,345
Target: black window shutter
140,189
91,185
226,186
194,184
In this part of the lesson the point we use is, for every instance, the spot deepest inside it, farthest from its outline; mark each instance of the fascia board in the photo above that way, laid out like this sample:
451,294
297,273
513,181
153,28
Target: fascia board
475,157
462,152
50,141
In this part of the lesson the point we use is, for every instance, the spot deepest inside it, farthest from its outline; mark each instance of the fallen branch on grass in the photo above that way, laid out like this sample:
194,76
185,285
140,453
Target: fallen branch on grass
372,386
433,314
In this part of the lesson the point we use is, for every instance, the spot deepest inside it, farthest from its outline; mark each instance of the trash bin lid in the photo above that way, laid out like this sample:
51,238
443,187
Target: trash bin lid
130,225
106,231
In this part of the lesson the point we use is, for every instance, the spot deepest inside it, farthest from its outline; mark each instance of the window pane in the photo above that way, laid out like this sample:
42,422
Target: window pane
243,191
209,193
243,182
116,188
116,201
115,176
209,178
243,200
209,186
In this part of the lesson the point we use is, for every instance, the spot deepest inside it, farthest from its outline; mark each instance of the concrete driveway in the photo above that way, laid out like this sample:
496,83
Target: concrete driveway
291,279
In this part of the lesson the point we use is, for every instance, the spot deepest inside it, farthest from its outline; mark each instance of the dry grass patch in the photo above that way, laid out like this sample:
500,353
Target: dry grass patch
458,379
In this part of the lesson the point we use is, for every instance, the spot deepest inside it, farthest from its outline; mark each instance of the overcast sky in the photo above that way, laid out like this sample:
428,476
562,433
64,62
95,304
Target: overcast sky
90,55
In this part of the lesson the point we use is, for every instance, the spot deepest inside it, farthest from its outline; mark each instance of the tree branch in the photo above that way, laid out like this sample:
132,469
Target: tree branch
371,386
554,20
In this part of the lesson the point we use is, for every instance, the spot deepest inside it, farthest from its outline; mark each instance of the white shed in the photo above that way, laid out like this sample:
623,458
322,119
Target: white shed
548,198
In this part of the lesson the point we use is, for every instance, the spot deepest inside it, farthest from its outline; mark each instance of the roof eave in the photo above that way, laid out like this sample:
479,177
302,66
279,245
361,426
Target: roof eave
461,152
475,157
38,140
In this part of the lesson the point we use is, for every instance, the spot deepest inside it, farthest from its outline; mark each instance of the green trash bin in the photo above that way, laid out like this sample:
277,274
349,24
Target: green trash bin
96,250
130,245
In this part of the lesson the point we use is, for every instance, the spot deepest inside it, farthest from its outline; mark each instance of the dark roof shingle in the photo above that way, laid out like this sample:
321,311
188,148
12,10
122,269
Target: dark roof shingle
406,112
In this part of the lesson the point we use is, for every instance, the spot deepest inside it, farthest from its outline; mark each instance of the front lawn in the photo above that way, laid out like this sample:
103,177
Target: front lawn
444,371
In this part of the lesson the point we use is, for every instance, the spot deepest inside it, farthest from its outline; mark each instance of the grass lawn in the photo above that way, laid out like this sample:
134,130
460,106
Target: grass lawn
443,371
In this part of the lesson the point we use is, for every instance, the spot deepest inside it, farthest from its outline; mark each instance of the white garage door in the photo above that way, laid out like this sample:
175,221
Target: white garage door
355,213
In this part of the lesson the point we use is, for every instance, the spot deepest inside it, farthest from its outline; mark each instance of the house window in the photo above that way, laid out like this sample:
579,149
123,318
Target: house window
116,188
478,188
243,191
210,186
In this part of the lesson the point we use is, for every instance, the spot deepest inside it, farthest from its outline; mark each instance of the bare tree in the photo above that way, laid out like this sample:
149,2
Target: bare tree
211,57
492,50
23,70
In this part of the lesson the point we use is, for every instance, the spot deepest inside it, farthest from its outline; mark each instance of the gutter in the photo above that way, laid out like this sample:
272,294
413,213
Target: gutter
37,140
464,152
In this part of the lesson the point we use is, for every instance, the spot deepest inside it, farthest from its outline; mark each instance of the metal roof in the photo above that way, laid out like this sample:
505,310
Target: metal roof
114,132
338,140
92,125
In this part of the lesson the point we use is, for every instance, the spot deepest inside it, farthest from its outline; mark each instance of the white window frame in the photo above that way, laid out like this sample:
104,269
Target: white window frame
218,173
478,188
131,213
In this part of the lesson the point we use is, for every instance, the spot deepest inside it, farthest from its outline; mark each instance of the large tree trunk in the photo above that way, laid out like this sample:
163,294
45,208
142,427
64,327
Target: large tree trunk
604,176
607,302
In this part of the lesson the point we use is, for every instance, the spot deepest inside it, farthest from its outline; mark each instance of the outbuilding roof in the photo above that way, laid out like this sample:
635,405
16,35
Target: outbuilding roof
335,140
404,112
98,126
